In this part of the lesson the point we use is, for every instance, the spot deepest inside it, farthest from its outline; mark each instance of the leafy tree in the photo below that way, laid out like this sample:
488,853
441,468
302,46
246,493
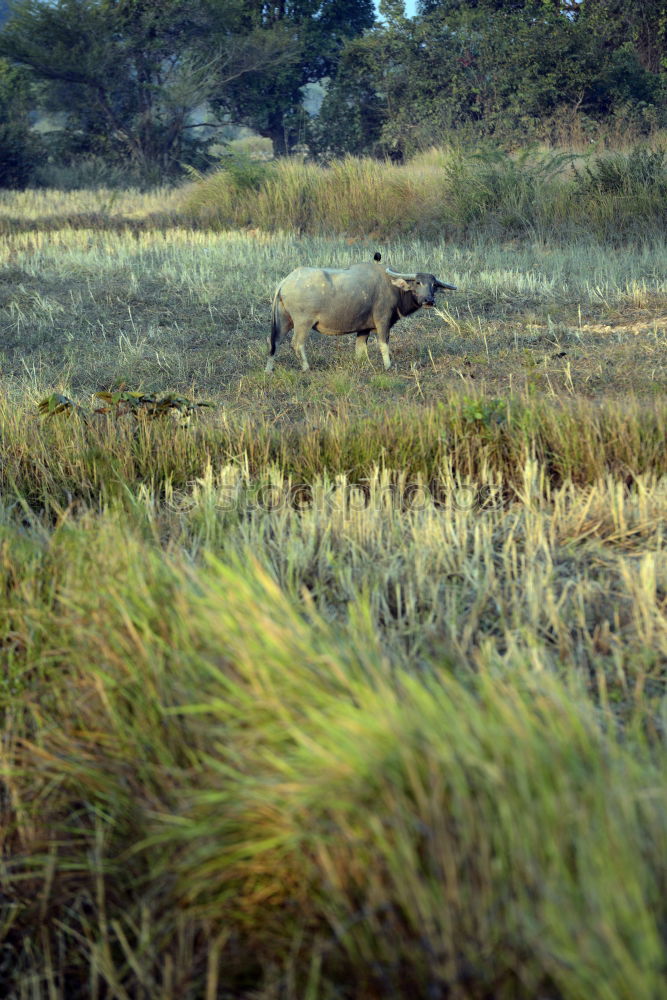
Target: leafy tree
270,100
485,69
478,68
506,6
130,72
621,80
18,148
353,113
642,23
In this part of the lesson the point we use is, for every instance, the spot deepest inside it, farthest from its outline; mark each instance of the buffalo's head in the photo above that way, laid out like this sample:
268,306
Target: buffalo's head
421,286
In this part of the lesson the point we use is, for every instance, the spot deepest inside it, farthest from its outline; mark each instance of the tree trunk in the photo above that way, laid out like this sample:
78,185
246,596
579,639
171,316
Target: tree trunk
275,131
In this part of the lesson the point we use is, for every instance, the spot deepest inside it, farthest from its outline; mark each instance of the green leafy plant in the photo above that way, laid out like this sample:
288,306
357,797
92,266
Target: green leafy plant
59,403
484,411
147,404
246,173
124,401
630,173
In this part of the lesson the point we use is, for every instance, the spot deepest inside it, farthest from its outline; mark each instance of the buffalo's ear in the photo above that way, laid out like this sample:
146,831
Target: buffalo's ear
401,283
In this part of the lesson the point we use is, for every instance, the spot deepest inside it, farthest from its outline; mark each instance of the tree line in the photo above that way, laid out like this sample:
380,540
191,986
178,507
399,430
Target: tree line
139,83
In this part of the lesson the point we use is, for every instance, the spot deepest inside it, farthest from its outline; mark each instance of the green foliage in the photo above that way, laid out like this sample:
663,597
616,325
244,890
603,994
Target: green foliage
640,171
515,193
353,112
478,410
59,403
123,401
246,174
113,69
637,28
129,76
624,191
69,169
148,404
18,148
315,31
486,69
622,79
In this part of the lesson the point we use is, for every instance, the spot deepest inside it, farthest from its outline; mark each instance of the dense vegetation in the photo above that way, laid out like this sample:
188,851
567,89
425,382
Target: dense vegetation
140,89
544,195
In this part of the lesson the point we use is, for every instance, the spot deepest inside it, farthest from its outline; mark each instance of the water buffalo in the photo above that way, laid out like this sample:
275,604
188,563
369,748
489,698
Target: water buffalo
358,299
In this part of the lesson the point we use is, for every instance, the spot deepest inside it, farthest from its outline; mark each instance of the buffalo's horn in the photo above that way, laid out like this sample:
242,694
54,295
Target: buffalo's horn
442,284
397,274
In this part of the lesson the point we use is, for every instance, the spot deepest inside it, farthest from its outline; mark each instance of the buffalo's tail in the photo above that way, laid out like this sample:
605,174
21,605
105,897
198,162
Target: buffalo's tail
276,330
275,324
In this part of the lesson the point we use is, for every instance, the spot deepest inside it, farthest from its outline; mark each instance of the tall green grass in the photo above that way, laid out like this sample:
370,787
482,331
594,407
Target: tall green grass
447,193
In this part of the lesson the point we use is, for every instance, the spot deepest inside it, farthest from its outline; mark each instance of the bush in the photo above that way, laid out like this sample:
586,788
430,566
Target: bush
18,153
87,172
637,172
244,172
19,149
512,194
624,195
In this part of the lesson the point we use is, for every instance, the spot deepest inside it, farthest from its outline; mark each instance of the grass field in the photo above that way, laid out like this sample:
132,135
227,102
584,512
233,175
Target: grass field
352,686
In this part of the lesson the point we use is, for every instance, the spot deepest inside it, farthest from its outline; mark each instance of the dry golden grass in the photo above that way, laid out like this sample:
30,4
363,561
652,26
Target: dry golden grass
540,194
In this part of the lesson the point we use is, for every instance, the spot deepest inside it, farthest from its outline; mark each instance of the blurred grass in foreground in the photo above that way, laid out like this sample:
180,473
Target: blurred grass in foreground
207,793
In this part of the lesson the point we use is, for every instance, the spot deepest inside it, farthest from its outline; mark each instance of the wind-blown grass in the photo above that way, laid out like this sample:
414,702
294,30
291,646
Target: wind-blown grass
332,742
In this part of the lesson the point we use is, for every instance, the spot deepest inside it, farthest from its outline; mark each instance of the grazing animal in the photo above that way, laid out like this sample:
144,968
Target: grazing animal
358,299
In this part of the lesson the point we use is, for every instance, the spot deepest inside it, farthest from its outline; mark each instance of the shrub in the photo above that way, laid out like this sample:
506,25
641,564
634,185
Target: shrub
633,173
624,195
19,149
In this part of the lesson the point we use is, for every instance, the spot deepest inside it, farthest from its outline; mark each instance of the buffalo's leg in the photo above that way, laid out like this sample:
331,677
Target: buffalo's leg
361,346
270,361
383,340
299,345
